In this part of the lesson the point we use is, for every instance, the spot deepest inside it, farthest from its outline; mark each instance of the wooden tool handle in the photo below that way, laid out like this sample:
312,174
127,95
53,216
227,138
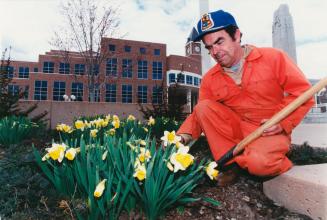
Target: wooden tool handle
280,115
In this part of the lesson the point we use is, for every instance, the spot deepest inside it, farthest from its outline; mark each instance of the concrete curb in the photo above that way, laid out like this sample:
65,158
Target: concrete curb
303,189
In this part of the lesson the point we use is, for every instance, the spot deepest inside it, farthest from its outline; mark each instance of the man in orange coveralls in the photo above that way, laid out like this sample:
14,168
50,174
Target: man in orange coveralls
246,87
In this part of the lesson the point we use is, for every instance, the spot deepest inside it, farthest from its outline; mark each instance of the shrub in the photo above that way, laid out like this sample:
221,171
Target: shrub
14,130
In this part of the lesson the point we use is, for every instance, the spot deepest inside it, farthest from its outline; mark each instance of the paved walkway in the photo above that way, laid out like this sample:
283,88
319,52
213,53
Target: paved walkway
314,134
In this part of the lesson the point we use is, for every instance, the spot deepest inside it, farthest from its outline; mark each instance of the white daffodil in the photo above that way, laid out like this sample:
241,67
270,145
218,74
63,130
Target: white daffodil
104,155
170,138
151,121
181,159
142,142
211,171
100,188
170,166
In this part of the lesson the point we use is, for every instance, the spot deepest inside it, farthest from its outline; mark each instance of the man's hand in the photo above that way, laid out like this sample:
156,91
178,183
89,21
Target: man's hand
185,138
273,130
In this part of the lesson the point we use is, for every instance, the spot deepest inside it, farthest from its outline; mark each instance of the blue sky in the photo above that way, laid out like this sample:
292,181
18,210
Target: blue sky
28,25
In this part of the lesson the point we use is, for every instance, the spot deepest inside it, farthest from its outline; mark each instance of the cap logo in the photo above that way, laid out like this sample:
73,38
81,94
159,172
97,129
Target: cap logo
206,22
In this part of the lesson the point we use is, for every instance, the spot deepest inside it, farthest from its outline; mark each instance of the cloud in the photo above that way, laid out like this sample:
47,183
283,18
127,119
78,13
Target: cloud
28,25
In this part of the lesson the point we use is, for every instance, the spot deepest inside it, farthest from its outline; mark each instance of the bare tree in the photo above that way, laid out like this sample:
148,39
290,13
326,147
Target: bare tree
88,22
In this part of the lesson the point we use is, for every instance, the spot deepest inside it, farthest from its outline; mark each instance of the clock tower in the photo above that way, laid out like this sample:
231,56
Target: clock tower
192,48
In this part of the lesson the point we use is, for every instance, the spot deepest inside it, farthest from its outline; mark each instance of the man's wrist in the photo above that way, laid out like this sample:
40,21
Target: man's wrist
185,138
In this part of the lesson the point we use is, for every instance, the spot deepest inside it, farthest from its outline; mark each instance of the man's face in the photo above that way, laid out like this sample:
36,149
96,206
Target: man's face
223,49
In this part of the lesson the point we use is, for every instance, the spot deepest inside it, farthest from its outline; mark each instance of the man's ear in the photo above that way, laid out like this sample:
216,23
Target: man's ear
238,35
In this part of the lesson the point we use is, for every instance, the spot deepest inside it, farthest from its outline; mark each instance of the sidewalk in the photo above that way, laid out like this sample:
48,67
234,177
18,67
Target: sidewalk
314,134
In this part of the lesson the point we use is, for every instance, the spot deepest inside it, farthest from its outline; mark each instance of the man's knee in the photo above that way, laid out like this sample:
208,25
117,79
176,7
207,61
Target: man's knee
263,165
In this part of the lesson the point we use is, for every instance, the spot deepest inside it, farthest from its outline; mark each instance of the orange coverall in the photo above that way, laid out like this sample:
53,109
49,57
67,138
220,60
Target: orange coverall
227,113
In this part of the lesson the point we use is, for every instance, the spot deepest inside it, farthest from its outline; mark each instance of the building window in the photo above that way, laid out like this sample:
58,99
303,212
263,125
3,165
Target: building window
8,70
180,78
40,90
127,68
79,69
196,81
48,67
172,78
13,90
96,93
189,80
157,52
142,69
127,93
111,93
36,70
142,94
95,69
157,95
59,90
77,91
26,92
64,68
111,67
142,50
23,72
156,70
128,49
112,47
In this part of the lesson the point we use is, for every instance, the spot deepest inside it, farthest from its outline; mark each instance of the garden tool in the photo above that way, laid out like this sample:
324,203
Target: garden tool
237,149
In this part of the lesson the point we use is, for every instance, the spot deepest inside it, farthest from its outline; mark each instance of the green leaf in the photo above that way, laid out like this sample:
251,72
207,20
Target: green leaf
212,201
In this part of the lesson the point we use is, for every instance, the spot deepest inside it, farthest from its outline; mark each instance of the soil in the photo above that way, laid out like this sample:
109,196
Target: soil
239,201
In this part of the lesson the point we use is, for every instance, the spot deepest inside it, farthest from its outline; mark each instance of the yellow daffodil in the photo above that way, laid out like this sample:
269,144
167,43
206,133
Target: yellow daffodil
104,123
115,118
107,118
116,123
100,188
144,155
211,171
170,138
140,172
64,128
71,153
79,125
112,132
57,151
151,121
145,129
98,122
131,118
181,159
93,133
104,155
87,124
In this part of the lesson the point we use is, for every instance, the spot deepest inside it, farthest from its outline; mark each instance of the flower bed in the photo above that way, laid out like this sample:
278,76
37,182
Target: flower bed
108,165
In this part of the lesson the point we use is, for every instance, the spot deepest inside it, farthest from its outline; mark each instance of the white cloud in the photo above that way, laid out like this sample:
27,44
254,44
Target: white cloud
27,25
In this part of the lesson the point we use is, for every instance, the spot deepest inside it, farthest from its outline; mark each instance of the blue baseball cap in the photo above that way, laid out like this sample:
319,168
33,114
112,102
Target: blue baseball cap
213,21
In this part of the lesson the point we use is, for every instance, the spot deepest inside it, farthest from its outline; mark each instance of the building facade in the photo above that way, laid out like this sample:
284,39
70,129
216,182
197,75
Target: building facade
132,73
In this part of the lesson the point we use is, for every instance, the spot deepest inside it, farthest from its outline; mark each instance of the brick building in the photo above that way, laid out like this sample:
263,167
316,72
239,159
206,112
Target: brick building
132,72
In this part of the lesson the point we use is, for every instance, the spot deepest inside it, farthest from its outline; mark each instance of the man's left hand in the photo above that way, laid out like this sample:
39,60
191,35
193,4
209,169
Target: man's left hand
273,130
